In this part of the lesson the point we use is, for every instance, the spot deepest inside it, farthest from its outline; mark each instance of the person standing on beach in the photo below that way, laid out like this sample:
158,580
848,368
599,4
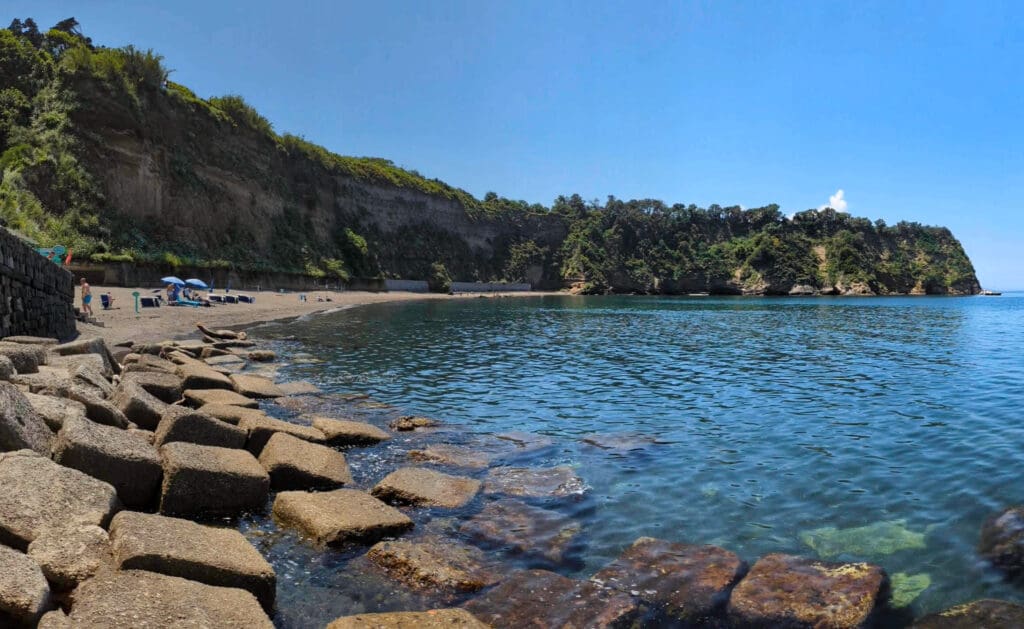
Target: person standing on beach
86,297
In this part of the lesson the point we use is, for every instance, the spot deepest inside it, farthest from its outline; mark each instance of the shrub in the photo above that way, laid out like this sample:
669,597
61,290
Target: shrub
439,281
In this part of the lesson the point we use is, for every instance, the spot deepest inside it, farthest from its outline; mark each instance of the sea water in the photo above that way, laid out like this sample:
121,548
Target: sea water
871,429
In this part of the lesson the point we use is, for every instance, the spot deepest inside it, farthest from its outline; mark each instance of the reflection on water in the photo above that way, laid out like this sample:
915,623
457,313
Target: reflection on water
736,421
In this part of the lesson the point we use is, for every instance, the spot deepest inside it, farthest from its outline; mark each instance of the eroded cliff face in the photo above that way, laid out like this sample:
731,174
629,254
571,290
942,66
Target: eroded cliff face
173,175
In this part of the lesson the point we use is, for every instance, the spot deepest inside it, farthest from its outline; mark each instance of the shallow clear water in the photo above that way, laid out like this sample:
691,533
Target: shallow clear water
742,422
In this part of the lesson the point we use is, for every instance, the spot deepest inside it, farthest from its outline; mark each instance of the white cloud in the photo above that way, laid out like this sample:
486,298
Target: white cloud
837,201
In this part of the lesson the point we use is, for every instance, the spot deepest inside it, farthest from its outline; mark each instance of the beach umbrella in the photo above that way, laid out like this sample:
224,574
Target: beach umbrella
196,283
170,279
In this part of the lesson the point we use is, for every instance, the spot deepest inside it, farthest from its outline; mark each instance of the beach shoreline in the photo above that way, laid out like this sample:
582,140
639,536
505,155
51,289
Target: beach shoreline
121,323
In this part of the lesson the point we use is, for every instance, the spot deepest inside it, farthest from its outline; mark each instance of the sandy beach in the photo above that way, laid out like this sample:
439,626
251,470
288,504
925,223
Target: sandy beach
121,323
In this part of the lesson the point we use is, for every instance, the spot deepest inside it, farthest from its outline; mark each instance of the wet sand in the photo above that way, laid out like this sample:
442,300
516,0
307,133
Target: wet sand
121,323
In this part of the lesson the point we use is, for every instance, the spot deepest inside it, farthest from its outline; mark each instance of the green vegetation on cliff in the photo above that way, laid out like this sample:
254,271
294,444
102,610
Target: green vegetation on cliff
269,201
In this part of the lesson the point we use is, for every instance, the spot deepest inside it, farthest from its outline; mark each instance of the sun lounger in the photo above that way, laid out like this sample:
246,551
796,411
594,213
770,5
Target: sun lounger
216,298
246,299
230,299
149,302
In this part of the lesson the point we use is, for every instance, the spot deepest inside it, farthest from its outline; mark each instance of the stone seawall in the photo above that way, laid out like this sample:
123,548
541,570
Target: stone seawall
36,295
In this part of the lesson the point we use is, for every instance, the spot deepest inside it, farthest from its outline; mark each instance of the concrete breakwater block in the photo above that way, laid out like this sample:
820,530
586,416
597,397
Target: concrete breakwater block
206,480
25,358
37,494
20,426
431,619
55,410
181,548
197,398
425,487
261,429
231,414
72,554
294,463
538,598
256,386
162,385
126,461
184,424
339,516
343,432
138,405
119,599
786,590
688,583
434,564
24,592
201,376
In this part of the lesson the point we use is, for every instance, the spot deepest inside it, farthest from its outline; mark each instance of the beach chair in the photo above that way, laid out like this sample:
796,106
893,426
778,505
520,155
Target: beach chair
230,299
149,302
105,301
216,298
246,299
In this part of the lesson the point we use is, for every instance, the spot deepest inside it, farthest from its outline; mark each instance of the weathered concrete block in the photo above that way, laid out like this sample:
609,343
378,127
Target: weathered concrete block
24,592
118,599
71,555
20,426
37,494
206,480
197,398
162,385
256,386
339,516
200,376
25,358
294,463
180,548
184,424
137,404
126,461
343,432
55,410
261,429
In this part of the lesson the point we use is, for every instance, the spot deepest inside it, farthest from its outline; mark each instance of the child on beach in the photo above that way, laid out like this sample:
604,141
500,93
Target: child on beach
86,297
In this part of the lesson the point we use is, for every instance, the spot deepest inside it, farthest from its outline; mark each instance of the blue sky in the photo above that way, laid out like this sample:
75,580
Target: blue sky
912,109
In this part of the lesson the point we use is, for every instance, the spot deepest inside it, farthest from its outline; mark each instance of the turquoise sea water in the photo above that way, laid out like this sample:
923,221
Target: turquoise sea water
745,422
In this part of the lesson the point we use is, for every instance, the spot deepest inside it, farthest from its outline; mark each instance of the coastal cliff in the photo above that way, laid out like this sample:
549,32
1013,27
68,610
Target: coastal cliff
102,153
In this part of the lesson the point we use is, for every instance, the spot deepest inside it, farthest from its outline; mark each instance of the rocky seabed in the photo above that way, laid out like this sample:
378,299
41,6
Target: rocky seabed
116,463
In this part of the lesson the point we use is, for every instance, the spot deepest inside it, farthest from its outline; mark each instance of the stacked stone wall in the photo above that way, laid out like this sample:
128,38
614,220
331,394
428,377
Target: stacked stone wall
36,294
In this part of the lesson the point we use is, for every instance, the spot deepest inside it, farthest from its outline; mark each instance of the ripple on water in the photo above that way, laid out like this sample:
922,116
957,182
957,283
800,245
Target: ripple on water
740,422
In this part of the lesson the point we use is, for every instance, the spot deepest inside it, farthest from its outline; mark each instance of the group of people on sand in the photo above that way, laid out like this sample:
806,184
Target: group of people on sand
179,294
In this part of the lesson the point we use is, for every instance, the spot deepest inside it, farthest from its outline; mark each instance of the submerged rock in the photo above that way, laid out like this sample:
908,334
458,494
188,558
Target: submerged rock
262,355
789,591
299,388
20,426
689,583
534,482
873,540
538,598
24,592
434,563
119,599
456,456
343,432
71,555
294,463
180,548
524,529
985,613
1002,541
37,494
412,422
431,619
126,461
428,488
339,516
205,480
907,587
